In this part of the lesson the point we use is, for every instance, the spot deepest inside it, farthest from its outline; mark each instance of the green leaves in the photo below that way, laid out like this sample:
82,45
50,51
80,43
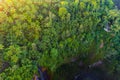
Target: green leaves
54,53
12,54
62,12
1,47
64,3
48,34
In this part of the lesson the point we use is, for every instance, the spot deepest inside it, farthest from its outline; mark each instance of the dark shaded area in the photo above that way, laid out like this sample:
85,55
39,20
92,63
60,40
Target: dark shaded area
5,65
91,74
117,3
72,71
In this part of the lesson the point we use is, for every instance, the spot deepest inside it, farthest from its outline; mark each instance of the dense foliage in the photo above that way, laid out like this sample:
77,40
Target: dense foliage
52,33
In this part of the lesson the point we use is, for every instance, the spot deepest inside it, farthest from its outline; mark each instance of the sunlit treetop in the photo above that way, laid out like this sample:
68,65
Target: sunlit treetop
1,1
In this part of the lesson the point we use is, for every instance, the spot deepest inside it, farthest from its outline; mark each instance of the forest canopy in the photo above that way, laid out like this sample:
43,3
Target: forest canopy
51,33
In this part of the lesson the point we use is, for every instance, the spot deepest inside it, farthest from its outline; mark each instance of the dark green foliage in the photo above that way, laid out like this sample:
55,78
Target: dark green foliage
49,34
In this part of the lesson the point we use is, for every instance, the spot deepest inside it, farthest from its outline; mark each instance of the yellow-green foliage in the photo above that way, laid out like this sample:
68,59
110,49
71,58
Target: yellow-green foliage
49,33
62,12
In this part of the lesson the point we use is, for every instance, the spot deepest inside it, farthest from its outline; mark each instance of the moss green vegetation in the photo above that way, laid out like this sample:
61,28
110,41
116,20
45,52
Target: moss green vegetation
51,33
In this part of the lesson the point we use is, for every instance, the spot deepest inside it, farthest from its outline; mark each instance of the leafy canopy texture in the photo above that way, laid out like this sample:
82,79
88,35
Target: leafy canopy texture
49,34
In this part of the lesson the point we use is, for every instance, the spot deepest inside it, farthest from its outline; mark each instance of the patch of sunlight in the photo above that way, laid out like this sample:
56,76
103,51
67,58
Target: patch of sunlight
0,1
